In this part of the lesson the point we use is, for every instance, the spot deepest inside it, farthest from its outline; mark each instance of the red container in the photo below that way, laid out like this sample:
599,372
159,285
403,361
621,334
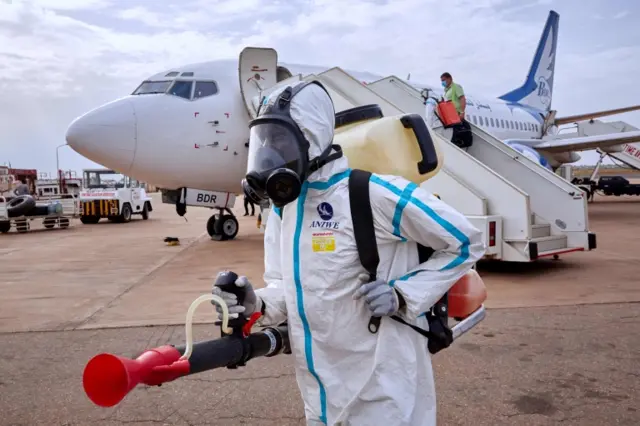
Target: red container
466,296
448,114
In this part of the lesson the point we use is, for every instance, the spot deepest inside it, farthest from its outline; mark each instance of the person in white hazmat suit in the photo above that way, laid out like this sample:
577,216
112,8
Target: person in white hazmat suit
346,374
430,112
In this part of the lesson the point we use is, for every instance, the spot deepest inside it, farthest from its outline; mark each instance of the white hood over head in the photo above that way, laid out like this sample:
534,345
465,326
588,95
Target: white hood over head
313,112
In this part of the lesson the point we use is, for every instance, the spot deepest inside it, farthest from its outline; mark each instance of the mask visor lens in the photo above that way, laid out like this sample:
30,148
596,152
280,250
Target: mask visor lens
273,146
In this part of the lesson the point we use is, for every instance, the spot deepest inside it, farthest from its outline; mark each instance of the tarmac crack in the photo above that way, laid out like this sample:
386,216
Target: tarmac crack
183,418
515,415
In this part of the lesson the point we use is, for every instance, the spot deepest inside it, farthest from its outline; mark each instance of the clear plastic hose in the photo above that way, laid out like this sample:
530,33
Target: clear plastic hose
188,323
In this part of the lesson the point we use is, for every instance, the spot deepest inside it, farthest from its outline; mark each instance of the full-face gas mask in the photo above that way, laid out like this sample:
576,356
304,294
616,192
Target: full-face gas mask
278,160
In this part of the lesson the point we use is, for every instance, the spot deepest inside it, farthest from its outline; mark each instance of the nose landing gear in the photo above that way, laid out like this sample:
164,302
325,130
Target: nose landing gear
222,226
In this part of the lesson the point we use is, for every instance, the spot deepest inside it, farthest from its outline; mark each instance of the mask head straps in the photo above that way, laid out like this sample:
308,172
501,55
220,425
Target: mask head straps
325,158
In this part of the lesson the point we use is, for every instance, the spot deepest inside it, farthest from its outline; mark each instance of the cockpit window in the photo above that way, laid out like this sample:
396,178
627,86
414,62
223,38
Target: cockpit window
187,74
150,87
204,89
182,89
172,74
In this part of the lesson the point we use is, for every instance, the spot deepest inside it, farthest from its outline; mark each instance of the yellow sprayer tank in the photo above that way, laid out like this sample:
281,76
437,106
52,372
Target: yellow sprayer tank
400,145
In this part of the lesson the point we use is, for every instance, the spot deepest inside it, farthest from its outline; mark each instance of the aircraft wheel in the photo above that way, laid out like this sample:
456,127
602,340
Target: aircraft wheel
212,230
226,228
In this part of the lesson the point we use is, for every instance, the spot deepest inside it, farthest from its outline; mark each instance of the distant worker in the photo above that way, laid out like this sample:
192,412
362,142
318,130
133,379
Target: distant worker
453,92
462,136
248,203
22,188
430,114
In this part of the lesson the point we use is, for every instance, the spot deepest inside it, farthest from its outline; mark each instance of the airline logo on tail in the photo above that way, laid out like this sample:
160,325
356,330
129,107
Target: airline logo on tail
537,90
544,91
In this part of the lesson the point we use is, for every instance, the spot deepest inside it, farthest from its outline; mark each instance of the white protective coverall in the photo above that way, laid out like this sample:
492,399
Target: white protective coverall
347,375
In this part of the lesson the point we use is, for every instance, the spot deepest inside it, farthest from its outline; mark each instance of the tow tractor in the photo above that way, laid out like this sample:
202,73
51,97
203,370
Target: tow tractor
604,185
607,185
109,194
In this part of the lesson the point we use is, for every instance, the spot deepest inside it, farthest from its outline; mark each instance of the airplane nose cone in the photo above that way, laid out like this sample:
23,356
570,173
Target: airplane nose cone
106,135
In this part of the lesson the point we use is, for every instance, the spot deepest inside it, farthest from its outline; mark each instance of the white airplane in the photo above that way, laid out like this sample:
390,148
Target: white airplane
523,117
186,131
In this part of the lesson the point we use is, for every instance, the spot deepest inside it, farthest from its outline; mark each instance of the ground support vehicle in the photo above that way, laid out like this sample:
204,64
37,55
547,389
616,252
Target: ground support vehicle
607,185
115,199
19,211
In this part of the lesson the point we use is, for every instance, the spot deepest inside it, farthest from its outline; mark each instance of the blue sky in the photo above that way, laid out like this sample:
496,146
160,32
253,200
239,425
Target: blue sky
59,58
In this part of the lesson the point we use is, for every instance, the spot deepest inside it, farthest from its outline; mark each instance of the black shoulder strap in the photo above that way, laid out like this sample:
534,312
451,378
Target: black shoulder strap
364,232
363,227
362,218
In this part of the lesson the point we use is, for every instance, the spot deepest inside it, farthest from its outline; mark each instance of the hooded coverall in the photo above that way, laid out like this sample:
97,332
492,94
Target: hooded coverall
347,375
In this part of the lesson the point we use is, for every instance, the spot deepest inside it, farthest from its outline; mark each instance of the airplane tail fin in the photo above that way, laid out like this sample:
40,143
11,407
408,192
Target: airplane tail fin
537,90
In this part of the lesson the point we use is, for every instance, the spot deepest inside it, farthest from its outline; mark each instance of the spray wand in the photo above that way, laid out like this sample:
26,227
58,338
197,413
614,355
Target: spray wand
108,378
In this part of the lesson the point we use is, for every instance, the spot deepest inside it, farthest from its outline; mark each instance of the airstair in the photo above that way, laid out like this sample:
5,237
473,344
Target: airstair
538,213
558,210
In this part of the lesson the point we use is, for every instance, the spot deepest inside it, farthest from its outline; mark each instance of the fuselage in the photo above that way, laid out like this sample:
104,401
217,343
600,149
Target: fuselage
505,121
188,127
182,127
519,126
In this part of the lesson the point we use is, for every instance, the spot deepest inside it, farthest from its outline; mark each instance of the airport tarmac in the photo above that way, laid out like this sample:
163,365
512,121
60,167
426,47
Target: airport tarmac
560,343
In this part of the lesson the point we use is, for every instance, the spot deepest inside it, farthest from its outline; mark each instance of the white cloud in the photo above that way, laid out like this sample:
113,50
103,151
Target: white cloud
621,14
61,57
66,4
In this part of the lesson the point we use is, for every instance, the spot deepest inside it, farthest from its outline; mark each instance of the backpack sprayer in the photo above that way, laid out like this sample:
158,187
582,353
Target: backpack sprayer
108,378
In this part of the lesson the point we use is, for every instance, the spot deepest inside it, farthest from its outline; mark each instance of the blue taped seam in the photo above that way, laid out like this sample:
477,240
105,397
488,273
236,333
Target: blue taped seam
300,302
405,277
464,240
405,196
320,185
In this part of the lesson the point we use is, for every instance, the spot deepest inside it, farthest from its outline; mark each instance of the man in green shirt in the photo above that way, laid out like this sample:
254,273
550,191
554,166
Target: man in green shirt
453,92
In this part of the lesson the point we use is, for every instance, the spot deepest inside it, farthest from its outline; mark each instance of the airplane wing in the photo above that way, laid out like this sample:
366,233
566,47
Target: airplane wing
588,116
588,142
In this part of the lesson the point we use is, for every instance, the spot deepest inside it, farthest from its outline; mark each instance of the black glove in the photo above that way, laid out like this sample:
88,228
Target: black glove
250,304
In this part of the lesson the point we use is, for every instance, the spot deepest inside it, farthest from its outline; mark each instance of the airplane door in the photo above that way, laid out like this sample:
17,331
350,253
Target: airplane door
258,72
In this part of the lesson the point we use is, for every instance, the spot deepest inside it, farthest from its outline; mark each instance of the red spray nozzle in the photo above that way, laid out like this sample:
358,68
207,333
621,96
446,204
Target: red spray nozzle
107,378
